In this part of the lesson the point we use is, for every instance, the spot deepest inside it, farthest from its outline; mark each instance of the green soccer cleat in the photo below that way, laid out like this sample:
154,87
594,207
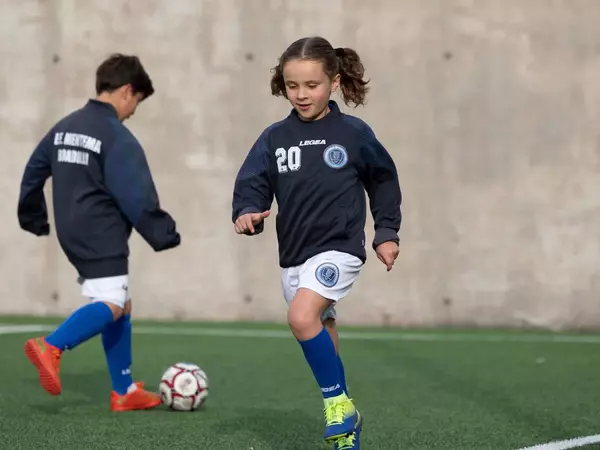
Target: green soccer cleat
352,441
341,417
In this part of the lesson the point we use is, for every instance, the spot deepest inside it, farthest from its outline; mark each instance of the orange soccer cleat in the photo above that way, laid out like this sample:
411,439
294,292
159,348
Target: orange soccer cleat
138,399
46,358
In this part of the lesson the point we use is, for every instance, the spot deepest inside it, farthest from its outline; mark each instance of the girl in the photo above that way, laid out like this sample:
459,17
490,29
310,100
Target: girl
317,163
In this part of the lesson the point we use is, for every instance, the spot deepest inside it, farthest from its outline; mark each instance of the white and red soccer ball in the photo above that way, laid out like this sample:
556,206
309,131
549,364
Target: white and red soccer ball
184,387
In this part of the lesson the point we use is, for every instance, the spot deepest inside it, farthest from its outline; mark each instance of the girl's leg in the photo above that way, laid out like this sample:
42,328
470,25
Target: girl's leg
304,317
331,327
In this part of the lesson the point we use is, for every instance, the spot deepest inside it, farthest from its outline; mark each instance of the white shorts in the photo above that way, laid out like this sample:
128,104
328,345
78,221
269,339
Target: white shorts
330,274
113,290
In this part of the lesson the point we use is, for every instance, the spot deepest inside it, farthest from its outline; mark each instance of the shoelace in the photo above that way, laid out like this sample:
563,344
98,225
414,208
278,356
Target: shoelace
335,413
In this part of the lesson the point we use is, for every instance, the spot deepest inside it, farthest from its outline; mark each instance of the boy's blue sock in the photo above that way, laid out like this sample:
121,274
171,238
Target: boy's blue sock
83,324
116,340
342,375
322,359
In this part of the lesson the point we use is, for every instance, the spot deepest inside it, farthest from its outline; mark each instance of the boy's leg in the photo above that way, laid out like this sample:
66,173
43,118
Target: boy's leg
107,300
126,395
116,340
104,315
83,324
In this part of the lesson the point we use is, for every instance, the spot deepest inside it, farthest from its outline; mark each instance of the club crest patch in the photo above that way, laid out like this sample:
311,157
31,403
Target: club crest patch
335,156
328,274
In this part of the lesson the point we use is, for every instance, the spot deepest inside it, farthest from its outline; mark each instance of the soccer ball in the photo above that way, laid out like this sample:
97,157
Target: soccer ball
184,387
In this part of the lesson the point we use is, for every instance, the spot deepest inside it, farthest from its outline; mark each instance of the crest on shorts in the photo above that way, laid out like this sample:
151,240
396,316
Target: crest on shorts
335,156
328,274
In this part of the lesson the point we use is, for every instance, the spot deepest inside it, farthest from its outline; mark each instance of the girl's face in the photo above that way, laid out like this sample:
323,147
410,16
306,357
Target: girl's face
308,87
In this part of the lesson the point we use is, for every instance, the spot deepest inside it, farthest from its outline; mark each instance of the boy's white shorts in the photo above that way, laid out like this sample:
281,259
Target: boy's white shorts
113,290
330,274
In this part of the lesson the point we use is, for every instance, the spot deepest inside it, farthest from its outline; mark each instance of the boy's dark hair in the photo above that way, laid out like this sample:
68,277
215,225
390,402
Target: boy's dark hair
344,61
119,70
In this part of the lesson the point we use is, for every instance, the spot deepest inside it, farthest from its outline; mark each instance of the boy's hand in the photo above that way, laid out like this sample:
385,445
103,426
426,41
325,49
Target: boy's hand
245,223
387,253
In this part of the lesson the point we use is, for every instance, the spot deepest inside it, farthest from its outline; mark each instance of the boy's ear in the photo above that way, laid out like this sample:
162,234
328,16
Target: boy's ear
127,91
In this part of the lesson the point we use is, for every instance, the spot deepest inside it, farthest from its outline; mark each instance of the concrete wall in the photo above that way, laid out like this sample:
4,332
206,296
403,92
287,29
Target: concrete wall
490,109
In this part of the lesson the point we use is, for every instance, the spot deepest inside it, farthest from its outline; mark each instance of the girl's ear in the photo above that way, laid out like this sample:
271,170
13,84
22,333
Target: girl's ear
335,83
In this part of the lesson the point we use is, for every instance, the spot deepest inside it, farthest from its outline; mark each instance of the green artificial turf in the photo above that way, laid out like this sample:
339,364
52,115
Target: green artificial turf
413,394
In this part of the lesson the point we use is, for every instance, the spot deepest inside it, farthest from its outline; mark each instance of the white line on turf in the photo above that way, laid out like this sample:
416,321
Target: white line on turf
567,444
16,329
351,335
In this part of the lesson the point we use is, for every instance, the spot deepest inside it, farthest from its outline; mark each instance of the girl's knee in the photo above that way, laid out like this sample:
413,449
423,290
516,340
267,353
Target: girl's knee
304,324
301,321
304,314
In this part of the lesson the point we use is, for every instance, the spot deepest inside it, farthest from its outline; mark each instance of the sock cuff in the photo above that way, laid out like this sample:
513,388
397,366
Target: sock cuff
312,339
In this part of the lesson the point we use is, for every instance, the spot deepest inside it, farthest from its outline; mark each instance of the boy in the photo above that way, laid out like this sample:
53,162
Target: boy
102,188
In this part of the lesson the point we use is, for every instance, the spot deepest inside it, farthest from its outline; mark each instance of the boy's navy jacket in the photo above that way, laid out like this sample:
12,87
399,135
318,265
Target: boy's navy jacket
318,171
101,188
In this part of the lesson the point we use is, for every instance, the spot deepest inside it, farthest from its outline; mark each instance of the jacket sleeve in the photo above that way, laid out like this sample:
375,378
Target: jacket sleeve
380,179
252,190
32,211
129,181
